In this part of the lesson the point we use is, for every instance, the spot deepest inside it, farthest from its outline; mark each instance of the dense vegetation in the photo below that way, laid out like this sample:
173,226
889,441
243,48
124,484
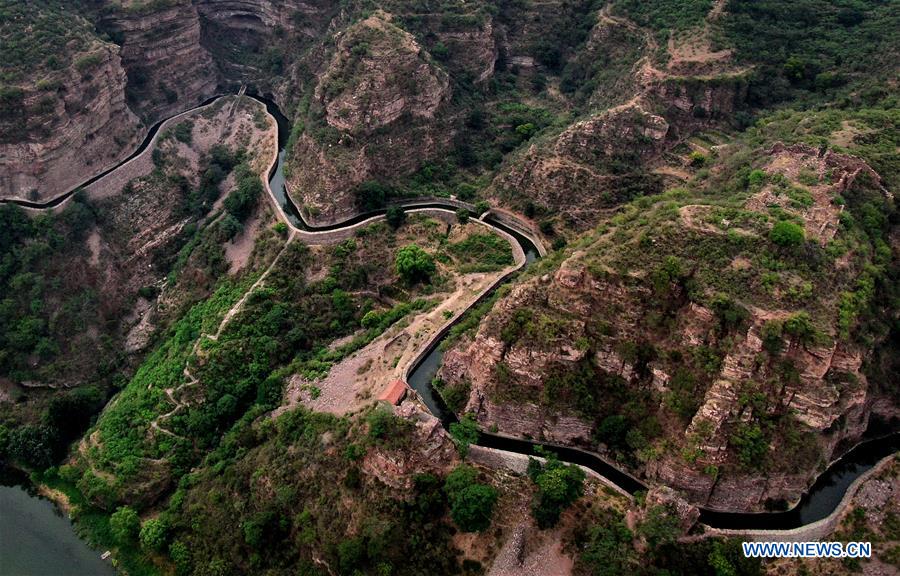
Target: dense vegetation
43,304
816,49
55,34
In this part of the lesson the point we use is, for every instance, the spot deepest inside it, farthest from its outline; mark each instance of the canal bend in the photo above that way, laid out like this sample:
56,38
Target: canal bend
819,502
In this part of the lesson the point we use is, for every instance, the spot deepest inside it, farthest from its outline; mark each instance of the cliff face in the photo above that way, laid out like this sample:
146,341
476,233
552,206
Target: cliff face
665,338
273,46
376,113
168,69
67,127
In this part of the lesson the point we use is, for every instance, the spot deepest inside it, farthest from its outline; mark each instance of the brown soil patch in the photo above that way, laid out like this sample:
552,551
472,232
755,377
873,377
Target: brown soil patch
238,251
364,375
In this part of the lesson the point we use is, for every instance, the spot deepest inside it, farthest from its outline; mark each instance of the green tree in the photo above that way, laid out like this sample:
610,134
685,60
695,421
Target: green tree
125,524
473,507
153,534
800,326
464,433
751,445
787,234
730,314
771,334
414,264
395,217
462,216
612,431
660,527
471,503
371,195
559,485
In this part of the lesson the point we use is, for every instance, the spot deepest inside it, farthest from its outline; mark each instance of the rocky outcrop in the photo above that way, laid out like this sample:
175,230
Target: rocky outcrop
168,69
472,51
686,513
430,450
826,174
377,114
378,74
693,102
592,165
606,323
72,124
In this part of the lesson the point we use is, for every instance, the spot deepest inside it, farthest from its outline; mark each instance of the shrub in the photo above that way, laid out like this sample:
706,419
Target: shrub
88,61
125,524
464,433
787,234
608,549
395,217
471,503
466,191
697,159
153,534
756,178
184,131
181,556
462,216
414,264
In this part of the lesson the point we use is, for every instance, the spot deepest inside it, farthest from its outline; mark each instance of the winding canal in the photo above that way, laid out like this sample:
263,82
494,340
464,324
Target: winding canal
819,502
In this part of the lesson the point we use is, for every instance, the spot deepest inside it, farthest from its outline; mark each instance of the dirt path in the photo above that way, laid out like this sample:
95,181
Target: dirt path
232,312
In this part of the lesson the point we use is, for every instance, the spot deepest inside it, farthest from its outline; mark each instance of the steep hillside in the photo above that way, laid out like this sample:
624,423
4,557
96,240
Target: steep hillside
731,319
63,115
378,100
86,288
197,380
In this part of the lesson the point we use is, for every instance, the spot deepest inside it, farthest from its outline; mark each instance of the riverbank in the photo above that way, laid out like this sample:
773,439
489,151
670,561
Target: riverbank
37,517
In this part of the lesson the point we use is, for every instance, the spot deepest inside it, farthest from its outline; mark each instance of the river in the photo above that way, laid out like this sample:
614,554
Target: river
36,539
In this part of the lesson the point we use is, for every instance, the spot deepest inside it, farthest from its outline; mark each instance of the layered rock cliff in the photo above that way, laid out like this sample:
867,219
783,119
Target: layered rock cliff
168,68
376,113
684,337
67,126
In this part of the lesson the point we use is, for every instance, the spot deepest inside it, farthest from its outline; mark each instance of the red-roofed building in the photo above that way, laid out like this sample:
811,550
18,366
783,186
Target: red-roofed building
395,392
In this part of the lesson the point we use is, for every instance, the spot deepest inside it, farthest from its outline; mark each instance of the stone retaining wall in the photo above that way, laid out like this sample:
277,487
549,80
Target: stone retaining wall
518,463
810,532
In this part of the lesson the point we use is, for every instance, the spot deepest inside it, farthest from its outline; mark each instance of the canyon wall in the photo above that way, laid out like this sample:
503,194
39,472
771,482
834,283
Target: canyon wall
68,126
168,68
